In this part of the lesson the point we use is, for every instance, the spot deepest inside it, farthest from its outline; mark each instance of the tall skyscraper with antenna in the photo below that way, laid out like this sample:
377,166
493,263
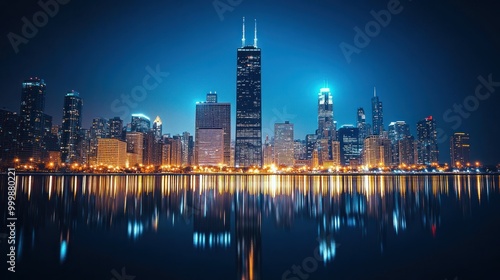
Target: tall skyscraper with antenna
248,146
377,114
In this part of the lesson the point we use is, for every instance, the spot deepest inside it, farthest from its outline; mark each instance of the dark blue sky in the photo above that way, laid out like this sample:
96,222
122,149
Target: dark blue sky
424,61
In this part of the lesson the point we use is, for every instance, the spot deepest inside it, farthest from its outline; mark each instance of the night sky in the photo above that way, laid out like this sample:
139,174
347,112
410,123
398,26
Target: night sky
427,59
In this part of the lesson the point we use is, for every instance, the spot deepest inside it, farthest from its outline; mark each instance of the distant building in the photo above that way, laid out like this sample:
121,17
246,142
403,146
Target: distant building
172,151
397,131
210,146
363,126
9,126
213,116
31,124
158,129
460,149
187,149
98,130
116,128
377,114
407,151
311,140
427,141
326,124
71,125
135,148
140,123
112,152
299,149
377,152
283,144
336,157
348,136
268,152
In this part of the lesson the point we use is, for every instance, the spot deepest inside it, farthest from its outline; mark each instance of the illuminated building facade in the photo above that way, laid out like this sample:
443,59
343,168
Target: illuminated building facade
71,126
31,124
283,144
460,149
348,136
140,123
112,151
135,148
248,147
427,141
377,114
213,116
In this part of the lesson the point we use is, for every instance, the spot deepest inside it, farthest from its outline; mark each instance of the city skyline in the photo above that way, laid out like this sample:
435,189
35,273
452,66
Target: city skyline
349,90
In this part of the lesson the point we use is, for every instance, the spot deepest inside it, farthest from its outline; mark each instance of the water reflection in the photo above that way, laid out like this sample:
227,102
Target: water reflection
226,212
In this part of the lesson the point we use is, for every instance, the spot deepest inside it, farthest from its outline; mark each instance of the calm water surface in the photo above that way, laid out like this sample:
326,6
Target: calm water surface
255,227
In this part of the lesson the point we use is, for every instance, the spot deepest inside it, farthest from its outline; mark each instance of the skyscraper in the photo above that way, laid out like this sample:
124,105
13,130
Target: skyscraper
71,125
397,131
459,149
187,149
98,130
157,128
427,141
135,148
348,136
377,114
9,124
116,128
248,149
377,152
213,115
283,144
326,125
364,128
407,150
31,125
140,123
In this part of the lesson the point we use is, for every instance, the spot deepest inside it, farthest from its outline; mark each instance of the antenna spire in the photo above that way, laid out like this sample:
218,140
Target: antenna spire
243,39
374,91
255,38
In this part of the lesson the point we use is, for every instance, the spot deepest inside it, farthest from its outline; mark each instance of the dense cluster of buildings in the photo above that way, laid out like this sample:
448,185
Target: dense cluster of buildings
30,137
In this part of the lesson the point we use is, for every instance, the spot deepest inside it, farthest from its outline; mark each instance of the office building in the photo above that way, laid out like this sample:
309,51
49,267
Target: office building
213,116
71,125
112,152
140,123
9,125
460,149
377,114
248,147
116,128
283,144
31,124
135,148
427,146
348,137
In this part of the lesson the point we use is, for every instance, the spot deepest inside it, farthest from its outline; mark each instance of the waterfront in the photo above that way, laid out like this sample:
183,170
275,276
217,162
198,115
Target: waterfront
256,226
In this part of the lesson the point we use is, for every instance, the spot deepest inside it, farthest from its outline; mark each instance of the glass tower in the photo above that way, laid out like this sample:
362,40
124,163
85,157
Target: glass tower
248,147
71,125
31,124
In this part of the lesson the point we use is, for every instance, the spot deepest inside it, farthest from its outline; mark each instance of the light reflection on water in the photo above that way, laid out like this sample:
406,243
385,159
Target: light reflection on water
226,212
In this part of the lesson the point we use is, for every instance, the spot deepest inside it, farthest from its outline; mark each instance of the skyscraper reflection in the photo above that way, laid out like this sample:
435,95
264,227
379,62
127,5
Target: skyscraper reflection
226,212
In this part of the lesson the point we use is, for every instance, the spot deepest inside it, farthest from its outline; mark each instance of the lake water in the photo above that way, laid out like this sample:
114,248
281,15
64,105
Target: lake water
142,227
